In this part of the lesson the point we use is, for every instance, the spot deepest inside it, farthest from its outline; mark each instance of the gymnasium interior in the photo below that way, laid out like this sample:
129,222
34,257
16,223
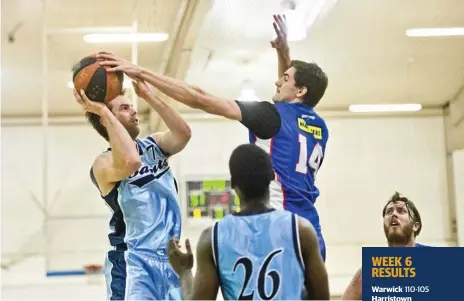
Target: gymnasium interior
394,108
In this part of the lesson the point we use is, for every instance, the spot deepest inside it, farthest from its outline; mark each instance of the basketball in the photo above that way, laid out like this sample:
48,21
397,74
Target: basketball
98,84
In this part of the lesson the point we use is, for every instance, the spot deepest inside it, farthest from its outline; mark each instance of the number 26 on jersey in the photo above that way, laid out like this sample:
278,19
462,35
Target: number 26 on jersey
313,161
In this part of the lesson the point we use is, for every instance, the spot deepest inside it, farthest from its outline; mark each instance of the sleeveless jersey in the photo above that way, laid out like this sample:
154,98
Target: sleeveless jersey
145,208
297,152
258,257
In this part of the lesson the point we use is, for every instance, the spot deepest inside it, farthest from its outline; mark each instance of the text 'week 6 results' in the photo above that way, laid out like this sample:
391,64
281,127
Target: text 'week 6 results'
412,274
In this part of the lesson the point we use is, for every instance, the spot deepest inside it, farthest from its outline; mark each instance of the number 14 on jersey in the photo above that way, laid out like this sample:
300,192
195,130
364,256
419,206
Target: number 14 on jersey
315,158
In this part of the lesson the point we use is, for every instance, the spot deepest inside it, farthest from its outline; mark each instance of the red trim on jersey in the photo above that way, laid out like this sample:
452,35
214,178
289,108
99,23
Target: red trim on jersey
284,197
254,139
271,143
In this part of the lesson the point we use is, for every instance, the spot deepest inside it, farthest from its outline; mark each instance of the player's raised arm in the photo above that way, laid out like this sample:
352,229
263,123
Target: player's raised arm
261,118
178,134
354,289
281,45
205,284
124,158
316,279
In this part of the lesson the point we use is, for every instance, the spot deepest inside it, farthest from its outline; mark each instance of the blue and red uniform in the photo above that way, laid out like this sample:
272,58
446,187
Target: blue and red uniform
297,151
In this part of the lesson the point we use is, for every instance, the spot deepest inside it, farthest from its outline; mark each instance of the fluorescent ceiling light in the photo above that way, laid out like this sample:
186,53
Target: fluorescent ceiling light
295,25
386,108
125,37
435,32
91,29
127,84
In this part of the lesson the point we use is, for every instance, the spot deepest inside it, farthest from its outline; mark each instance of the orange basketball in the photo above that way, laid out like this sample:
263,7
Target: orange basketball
98,84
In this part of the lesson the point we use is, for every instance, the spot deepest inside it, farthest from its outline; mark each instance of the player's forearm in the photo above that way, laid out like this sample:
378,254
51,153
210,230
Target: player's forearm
284,60
123,147
186,282
175,89
179,129
354,289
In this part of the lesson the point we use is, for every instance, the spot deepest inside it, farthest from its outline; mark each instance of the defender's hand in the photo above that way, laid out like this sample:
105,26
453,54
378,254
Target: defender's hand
141,89
180,261
280,28
119,64
89,105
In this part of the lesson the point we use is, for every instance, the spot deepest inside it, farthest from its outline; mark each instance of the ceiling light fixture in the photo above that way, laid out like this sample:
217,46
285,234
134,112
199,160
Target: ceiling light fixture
435,32
297,30
125,37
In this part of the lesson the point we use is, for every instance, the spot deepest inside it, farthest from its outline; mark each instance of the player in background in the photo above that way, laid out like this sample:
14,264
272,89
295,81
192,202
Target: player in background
260,253
290,130
134,179
402,224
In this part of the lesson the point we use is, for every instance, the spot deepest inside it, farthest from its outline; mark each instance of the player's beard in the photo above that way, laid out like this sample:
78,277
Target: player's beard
133,130
401,237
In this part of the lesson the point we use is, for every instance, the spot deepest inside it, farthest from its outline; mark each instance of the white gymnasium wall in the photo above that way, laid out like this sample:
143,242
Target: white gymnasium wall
367,160
75,232
70,192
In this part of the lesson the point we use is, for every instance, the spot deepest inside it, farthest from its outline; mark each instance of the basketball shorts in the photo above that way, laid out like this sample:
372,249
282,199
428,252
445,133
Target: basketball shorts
320,237
134,276
315,220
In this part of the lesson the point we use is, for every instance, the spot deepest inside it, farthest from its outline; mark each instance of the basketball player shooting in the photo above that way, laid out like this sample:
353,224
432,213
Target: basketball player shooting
290,130
402,224
258,254
134,179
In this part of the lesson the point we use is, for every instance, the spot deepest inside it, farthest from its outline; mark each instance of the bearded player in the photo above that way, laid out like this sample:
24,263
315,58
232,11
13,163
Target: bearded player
290,131
134,178
402,224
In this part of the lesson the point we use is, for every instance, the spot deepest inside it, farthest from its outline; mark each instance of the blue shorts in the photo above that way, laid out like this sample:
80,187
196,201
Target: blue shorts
310,218
135,276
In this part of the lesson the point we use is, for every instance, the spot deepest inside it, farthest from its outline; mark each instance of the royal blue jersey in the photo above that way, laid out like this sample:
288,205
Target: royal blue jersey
258,257
297,152
146,213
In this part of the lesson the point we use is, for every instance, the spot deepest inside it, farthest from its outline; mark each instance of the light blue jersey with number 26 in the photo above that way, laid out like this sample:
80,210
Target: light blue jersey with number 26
258,256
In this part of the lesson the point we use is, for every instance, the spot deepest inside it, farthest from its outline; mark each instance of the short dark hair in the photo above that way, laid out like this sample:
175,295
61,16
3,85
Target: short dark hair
412,209
311,76
251,171
95,121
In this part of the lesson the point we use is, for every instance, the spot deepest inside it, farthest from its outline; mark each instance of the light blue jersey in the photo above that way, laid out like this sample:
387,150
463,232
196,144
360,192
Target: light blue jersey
258,256
146,215
148,200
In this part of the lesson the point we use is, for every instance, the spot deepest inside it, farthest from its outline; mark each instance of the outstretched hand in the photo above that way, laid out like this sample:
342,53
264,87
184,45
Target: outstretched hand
180,261
141,88
280,28
119,64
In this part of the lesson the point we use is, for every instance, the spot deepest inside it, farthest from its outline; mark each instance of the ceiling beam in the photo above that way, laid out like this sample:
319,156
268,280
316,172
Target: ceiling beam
177,56
454,122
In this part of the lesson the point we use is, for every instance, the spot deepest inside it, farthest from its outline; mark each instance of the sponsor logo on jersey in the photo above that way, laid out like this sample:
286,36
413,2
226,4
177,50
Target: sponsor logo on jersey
308,116
310,129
